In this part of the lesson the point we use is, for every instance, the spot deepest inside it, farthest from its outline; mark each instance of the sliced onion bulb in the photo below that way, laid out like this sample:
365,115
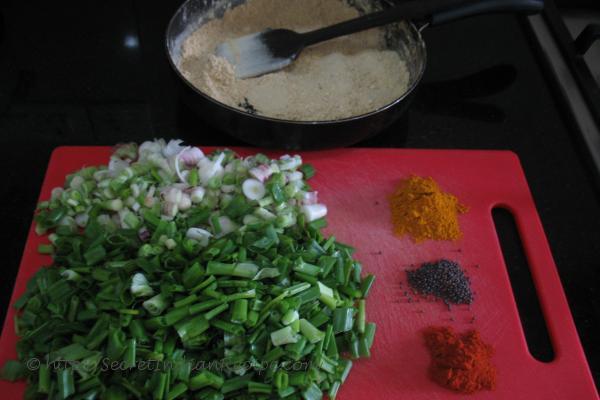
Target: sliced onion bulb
314,211
253,189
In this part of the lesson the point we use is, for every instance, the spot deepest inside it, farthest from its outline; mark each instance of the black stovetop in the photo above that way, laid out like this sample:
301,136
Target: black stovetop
83,73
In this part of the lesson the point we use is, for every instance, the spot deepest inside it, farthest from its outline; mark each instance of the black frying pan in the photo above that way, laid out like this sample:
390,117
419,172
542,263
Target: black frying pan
404,37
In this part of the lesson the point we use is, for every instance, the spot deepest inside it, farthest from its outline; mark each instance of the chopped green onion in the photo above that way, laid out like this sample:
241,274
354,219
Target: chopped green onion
290,316
365,286
140,286
312,392
169,255
326,295
310,332
239,314
155,305
13,370
45,249
343,318
216,311
66,382
307,170
176,390
370,334
360,320
204,379
243,270
283,336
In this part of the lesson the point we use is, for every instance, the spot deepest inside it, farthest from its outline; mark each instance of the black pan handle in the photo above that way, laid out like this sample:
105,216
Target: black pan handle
487,7
586,38
432,11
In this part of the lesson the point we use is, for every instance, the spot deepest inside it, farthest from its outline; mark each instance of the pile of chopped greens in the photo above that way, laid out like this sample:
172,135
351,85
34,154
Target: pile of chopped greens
179,275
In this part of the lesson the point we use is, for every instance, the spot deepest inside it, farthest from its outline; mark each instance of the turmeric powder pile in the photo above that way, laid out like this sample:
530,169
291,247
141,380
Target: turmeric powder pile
420,209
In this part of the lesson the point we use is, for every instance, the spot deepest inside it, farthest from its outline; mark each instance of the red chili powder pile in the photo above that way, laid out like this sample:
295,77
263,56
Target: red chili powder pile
460,362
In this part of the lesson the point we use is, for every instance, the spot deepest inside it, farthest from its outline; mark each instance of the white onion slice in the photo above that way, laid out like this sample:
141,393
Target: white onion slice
262,172
314,211
253,189
185,203
198,194
310,198
200,235
191,156
227,226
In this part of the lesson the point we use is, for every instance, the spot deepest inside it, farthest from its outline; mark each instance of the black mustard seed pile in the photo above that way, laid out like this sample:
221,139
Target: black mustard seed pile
443,279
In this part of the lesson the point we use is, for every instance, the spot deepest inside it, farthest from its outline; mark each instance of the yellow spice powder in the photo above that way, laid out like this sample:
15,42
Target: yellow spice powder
423,211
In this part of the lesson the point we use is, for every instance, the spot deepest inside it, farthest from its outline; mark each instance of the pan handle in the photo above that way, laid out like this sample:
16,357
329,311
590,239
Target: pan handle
526,7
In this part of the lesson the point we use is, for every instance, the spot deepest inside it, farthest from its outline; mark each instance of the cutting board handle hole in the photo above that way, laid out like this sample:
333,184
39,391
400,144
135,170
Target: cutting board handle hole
530,312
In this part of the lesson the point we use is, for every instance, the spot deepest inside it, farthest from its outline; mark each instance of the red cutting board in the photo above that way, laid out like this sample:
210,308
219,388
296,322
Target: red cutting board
355,183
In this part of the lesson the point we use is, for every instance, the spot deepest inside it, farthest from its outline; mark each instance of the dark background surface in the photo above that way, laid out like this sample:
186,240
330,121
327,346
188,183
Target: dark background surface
95,73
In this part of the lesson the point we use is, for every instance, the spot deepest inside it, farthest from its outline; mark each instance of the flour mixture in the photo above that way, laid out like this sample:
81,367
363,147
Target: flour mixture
348,76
